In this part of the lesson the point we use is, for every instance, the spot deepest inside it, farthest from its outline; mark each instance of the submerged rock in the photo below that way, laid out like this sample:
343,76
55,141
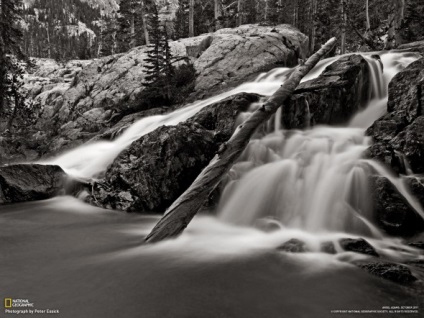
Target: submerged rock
394,272
293,246
157,168
332,98
358,246
30,182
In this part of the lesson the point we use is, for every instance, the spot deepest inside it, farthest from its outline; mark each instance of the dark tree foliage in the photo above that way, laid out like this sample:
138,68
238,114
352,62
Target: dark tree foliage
125,15
56,30
13,105
413,23
181,20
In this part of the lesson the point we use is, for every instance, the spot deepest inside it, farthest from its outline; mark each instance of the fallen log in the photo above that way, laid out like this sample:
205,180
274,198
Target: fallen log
182,211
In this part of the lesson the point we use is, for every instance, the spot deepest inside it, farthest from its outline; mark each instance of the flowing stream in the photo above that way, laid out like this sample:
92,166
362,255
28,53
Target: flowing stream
309,185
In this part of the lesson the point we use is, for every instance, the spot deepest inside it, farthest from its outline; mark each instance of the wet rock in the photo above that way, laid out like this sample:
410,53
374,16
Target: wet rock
157,168
392,211
398,136
332,98
394,272
358,246
30,182
293,246
328,247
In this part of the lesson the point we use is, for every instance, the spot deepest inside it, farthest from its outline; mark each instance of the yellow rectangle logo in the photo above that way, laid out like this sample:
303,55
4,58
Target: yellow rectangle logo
8,303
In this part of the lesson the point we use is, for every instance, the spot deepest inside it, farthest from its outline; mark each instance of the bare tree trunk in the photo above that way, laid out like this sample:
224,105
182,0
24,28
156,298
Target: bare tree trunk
343,33
313,26
367,14
191,19
144,20
239,13
182,211
217,9
49,48
296,13
132,29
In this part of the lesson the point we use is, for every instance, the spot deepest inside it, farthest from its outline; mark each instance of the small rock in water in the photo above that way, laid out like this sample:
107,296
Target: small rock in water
394,272
328,247
293,246
358,246
30,182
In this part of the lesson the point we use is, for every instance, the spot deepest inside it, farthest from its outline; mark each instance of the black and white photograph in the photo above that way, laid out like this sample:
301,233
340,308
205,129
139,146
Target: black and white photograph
211,158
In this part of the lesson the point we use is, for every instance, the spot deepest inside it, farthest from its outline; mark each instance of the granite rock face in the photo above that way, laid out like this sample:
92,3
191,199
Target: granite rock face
82,100
332,98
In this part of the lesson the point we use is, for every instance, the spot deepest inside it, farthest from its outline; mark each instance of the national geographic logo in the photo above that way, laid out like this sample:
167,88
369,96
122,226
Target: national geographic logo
17,303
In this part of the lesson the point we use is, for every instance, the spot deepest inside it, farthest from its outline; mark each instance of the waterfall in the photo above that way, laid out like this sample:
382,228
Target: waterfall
314,180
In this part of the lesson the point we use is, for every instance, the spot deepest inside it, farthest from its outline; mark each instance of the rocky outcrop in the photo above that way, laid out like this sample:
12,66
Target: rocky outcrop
79,105
21,183
157,168
332,98
398,142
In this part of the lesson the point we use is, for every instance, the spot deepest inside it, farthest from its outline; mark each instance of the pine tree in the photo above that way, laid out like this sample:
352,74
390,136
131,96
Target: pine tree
154,60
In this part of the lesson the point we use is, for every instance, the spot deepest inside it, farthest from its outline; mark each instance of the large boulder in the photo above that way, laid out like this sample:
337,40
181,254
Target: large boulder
30,182
332,98
157,168
234,54
398,136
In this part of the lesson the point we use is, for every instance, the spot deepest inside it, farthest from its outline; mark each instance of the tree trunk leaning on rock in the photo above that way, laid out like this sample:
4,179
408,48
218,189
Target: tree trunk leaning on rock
182,211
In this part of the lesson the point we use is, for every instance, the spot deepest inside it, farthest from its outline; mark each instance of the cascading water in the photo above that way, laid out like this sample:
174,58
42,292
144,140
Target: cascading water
314,180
